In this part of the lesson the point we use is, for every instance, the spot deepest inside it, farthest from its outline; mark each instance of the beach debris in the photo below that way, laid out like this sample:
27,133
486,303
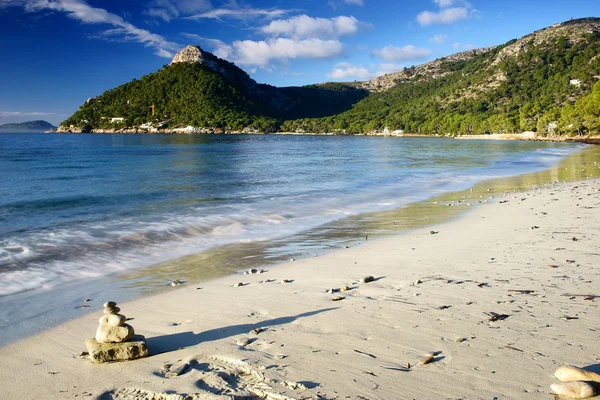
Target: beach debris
574,239
284,281
239,284
568,317
585,296
483,284
176,370
492,316
522,291
513,348
253,271
573,390
535,227
345,288
243,342
294,385
400,368
418,282
366,354
552,266
338,298
367,279
268,281
461,339
112,341
444,307
503,201
427,360
87,300
177,282
281,356
434,232
335,290
570,373
258,330
83,354
570,261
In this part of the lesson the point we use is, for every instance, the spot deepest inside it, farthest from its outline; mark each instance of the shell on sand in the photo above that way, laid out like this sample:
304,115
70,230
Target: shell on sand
569,373
427,360
573,390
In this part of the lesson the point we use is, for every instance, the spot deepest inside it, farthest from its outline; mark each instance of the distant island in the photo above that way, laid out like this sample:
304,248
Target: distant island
546,83
29,126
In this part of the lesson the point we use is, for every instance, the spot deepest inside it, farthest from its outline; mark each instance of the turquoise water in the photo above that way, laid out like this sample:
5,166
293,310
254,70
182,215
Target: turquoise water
78,207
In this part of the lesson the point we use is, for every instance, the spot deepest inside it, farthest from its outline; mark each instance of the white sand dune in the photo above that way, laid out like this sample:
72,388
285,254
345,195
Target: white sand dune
530,261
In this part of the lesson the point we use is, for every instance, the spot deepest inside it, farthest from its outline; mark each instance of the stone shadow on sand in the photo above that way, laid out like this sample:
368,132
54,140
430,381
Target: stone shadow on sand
176,341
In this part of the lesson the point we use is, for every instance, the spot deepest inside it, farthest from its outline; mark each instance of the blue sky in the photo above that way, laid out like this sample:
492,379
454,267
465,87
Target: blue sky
57,53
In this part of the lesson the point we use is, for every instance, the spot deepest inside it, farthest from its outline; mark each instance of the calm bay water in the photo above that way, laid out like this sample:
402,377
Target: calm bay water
78,207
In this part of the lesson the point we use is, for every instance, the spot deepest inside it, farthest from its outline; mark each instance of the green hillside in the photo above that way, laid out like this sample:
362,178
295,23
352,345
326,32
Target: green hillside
544,82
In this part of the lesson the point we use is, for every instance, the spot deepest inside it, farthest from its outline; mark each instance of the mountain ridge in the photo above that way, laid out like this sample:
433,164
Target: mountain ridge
27,126
505,88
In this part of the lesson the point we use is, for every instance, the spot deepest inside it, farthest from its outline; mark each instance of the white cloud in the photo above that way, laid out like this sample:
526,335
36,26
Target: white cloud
248,52
240,13
388,68
171,9
444,3
444,16
348,70
355,2
81,11
303,26
262,53
400,54
439,38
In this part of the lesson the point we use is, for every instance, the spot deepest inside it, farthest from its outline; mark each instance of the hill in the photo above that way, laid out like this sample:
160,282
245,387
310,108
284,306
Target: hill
29,126
544,82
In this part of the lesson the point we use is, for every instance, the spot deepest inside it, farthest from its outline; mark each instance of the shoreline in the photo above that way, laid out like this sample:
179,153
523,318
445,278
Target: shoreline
523,136
359,346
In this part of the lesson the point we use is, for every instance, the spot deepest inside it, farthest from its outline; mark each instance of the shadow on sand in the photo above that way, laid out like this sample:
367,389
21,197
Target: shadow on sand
176,341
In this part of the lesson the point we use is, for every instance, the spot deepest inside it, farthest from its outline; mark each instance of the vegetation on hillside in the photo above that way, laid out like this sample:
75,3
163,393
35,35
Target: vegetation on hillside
529,92
527,85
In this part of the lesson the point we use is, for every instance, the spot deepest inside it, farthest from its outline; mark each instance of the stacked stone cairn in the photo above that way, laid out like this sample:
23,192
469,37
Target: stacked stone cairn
115,340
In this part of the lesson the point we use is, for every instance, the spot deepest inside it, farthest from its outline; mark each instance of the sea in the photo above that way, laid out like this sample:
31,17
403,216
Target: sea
88,216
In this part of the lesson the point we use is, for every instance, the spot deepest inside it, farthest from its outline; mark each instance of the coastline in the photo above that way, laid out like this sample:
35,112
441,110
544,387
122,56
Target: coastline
422,301
526,136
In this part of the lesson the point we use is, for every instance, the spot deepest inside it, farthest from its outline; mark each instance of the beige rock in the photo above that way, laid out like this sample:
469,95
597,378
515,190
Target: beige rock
112,320
109,352
573,390
569,373
113,310
114,334
110,304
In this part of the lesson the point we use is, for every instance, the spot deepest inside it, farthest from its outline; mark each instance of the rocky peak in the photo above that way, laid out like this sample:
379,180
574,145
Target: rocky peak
194,54
190,54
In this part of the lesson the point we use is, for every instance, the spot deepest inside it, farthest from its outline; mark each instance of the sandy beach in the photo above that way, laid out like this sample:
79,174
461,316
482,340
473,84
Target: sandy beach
502,297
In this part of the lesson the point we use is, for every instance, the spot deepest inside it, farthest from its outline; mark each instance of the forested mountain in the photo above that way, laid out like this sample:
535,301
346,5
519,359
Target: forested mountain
544,82
29,126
